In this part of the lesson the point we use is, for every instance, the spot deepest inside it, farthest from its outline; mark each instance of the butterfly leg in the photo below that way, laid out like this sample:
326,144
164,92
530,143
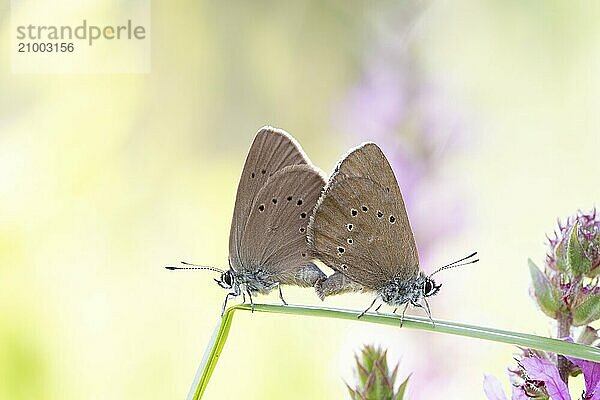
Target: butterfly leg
428,312
225,303
378,307
243,297
368,308
251,301
281,295
402,316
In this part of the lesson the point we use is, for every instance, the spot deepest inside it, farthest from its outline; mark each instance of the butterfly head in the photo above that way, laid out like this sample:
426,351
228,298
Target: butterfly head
227,280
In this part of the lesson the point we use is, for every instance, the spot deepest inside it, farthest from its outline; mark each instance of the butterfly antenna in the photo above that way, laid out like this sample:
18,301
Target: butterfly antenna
193,266
457,263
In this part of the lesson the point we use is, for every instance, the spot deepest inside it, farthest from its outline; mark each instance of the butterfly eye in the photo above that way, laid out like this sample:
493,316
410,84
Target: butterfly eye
428,287
227,278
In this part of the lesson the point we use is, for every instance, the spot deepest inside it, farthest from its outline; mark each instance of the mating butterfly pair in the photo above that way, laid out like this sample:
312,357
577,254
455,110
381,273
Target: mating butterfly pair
286,216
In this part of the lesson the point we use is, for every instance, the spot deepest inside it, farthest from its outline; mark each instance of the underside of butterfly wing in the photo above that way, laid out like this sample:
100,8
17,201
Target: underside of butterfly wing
274,241
356,231
360,227
272,150
368,161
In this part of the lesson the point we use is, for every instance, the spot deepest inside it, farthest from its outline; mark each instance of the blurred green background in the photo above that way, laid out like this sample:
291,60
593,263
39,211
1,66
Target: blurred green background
106,178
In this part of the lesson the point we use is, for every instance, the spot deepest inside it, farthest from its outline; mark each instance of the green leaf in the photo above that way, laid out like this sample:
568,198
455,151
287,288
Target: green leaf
217,343
588,336
354,395
402,389
588,311
363,373
384,388
561,259
579,264
546,295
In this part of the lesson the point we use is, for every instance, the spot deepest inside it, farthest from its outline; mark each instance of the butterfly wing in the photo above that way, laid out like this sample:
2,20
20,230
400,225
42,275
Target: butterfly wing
272,150
360,227
368,161
274,239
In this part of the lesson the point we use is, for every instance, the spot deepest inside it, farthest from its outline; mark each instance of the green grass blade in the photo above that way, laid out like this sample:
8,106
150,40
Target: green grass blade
211,355
215,347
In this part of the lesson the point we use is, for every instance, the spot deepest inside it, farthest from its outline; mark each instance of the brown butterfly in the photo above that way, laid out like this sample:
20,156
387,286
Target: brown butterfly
361,230
278,190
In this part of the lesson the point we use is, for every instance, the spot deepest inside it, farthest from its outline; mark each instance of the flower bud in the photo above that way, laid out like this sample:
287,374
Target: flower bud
375,380
575,248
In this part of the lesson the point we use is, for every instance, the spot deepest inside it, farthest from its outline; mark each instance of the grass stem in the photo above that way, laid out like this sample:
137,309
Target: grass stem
215,347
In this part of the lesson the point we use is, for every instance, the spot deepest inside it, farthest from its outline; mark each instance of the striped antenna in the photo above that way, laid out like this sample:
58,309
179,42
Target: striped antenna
193,266
457,263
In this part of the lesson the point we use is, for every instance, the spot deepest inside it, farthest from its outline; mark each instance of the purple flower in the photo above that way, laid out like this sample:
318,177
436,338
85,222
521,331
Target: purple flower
540,370
538,378
591,375
535,378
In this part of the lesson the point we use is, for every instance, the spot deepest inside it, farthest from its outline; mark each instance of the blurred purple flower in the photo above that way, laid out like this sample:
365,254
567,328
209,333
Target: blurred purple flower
414,120
492,388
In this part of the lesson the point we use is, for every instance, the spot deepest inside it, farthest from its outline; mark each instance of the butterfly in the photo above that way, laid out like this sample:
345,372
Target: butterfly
360,228
278,189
